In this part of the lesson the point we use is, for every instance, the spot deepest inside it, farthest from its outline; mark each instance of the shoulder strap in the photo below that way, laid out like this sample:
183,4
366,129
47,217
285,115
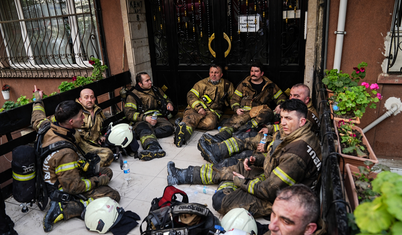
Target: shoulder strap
225,90
137,99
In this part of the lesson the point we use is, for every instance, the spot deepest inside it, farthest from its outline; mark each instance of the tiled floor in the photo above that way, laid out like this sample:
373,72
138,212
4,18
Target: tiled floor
148,181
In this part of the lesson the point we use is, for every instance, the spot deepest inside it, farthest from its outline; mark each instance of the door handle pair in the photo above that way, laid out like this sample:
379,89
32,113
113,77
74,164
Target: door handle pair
226,37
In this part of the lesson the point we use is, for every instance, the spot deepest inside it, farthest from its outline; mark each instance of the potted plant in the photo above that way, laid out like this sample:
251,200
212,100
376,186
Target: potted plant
353,145
5,90
337,81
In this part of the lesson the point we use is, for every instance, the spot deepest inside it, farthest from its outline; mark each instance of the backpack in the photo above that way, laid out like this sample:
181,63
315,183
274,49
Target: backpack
169,196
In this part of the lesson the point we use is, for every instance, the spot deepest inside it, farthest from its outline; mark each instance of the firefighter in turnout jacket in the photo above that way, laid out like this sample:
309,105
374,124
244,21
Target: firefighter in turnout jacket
206,101
148,107
294,156
69,189
250,103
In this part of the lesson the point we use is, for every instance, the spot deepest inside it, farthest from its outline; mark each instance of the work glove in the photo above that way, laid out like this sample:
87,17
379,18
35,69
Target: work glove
103,180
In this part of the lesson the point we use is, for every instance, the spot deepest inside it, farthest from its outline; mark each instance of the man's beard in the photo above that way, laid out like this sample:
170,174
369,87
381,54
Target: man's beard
213,82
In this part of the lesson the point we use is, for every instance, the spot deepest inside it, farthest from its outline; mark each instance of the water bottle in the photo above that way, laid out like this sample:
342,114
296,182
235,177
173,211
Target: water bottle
126,170
264,139
204,189
155,116
335,106
219,128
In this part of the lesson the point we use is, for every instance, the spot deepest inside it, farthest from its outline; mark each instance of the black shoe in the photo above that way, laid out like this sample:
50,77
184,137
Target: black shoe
207,151
179,176
10,232
209,139
179,133
177,121
153,151
53,215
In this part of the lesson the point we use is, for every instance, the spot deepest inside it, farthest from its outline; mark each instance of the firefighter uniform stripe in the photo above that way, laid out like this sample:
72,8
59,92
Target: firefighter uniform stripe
232,146
53,119
217,114
40,123
143,138
24,177
279,101
66,167
86,203
131,105
252,183
283,176
198,102
227,129
254,122
247,108
165,96
276,127
151,112
238,93
87,184
278,94
235,104
195,92
38,108
227,185
206,174
135,116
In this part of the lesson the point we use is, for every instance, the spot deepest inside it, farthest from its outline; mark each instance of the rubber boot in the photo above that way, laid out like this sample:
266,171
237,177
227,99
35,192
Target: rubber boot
246,133
53,215
179,176
221,136
217,152
248,125
182,134
233,160
153,150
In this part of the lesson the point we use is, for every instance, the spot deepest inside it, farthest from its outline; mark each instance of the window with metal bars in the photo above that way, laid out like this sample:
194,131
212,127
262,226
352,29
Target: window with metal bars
395,46
47,34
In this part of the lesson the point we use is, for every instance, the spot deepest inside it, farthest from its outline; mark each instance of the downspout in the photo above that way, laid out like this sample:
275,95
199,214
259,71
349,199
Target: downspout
393,105
340,34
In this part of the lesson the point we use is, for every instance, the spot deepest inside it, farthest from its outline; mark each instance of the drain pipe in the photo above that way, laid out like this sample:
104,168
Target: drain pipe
340,34
393,105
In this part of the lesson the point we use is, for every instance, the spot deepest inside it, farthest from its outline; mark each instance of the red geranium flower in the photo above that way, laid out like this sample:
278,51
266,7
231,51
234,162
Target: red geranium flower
74,78
92,62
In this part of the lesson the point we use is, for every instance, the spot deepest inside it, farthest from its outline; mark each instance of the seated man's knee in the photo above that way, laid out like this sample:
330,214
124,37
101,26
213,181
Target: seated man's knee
217,199
143,129
164,131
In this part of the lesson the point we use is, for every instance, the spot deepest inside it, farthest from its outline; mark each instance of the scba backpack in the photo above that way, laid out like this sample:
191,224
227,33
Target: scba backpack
169,216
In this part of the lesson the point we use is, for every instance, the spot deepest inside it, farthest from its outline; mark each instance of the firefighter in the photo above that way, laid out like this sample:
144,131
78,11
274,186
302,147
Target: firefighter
148,106
250,103
64,180
294,156
216,152
206,101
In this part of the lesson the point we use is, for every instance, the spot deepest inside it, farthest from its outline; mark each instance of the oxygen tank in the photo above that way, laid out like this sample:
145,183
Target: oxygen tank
24,174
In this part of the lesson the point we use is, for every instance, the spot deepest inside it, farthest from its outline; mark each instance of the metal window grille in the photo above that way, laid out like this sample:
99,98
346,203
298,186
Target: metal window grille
395,47
47,38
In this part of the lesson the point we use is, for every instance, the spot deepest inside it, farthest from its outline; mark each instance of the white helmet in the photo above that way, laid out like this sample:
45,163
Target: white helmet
102,214
120,135
239,218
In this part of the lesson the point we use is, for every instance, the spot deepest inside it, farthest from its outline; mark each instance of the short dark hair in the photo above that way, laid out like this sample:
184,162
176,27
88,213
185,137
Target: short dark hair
66,110
304,86
138,77
295,105
216,66
257,64
306,198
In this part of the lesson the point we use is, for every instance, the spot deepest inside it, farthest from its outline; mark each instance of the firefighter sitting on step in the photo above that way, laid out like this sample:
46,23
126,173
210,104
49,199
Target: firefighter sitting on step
206,101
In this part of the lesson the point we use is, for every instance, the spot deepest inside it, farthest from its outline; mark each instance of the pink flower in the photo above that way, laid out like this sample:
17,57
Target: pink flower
355,68
74,78
379,96
362,70
92,62
374,86
357,71
341,122
365,84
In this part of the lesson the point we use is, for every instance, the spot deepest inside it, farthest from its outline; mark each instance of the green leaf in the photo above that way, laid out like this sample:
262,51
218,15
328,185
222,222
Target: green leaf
360,153
384,177
394,205
373,216
396,229
348,149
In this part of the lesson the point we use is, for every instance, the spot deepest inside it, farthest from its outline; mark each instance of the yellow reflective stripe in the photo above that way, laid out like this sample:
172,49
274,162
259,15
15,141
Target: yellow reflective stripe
252,183
87,184
278,94
279,101
227,185
135,116
86,203
40,123
198,102
254,122
24,177
38,108
195,92
283,176
143,138
165,96
131,105
151,112
227,129
238,93
189,129
232,146
66,167
247,108
53,119
206,173
217,114
235,105
276,127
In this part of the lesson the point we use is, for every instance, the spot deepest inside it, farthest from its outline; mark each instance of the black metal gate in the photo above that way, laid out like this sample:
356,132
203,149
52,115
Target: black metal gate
186,36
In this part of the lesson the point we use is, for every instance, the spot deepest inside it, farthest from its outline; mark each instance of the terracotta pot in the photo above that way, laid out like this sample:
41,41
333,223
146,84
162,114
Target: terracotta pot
354,160
330,93
350,187
355,120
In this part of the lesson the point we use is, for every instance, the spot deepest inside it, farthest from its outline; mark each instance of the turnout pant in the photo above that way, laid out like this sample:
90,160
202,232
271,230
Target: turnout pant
196,120
105,154
148,133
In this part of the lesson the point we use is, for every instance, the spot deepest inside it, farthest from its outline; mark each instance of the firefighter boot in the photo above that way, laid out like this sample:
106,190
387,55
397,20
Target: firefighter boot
182,134
224,134
53,215
217,152
179,176
246,133
248,125
153,150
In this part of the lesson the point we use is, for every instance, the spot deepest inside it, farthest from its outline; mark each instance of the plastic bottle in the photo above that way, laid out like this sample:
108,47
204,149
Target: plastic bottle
219,128
126,170
335,106
264,139
204,189
155,116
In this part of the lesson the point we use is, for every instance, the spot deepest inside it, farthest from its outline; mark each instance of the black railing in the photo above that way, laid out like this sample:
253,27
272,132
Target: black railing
47,38
395,46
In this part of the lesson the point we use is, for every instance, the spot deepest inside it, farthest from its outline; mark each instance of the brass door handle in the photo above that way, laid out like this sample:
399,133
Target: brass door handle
226,37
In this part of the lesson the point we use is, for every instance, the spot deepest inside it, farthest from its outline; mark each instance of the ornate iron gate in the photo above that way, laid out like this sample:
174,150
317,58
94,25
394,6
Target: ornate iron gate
186,36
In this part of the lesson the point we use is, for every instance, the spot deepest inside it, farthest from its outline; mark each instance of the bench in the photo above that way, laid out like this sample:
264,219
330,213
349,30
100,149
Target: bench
14,120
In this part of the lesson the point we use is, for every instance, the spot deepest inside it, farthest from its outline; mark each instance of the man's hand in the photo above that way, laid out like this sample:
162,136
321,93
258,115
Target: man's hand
263,130
240,111
261,148
103,180
169,107
238,175
38,94
101,140
151,121
202,111
248,161
277,110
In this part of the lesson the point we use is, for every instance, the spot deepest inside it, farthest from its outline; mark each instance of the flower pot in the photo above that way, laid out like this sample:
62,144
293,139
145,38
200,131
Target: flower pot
6,94
350,187
355,120
354,160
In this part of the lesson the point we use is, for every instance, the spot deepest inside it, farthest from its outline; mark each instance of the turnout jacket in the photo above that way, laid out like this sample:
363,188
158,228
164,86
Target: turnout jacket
312,116
245,96
150,104
91,128
60,168
206,95
292,159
